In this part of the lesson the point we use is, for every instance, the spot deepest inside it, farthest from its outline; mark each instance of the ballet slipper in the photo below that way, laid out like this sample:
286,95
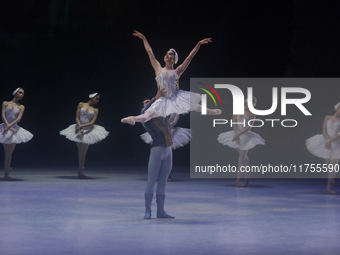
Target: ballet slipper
160,208
81,175
8,178
129,120
148,200
214,112
330,192
238,184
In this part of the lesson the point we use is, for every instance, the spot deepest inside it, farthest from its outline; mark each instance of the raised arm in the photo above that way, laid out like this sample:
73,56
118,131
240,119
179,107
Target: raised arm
154,62
181,68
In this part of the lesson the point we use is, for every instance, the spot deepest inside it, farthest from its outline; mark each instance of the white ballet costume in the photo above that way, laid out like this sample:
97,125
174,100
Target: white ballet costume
92,134
316,144
248,140
174,101
20,135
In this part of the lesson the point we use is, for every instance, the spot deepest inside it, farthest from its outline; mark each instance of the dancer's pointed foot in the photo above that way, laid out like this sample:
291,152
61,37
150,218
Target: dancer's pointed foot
214,112
330,192
83,176
8,178
238,184
129,120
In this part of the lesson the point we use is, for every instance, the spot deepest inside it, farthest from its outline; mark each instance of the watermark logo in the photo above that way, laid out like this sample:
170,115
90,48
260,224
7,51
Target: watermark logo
239,102
204,97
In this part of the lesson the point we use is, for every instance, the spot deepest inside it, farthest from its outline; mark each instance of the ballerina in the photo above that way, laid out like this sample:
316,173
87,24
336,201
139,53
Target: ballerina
327,145
242,139
175,100
85,132
10,133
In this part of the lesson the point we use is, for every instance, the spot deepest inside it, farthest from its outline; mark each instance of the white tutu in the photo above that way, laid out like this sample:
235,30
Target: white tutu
92,134
175,101
180,137
248,140
19,135
316,144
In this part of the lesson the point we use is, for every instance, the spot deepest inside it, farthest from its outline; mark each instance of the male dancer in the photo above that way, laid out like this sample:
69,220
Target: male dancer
160,161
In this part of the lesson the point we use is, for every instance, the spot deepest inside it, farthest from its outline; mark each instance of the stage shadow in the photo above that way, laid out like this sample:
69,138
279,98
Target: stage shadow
12,180
250,186
76,178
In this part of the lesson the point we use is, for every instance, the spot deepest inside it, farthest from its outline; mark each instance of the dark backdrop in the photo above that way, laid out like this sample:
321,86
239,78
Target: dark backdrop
59,51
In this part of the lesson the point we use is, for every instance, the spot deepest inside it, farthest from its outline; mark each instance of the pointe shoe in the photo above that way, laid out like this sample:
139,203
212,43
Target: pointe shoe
8,178
129,120
238,184
83,176
215,112
330,192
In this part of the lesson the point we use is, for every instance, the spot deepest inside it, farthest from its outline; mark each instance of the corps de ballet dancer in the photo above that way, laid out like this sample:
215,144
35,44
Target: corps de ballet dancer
160,160
174,101
327,145
10,133
85,132
242,139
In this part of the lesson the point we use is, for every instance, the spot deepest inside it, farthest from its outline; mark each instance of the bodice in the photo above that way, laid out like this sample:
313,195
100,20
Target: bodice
168,82
243,122
333,128
85,117
12,115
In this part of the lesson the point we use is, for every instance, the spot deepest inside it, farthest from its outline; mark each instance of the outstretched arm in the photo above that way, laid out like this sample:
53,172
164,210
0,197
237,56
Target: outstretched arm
154,62
180,69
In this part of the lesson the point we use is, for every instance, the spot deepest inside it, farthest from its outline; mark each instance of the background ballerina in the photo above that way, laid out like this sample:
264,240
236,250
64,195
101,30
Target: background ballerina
327,144
174,101
10,132
85,132
242,139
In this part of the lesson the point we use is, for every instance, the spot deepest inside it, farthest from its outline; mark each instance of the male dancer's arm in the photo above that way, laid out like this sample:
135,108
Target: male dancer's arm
160,93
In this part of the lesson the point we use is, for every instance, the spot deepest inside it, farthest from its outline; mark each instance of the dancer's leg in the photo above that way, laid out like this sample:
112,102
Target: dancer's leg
162,179
247,175
242,155
331,176
140,118
8,158
153,170
154,166
82,150
209,111
165,170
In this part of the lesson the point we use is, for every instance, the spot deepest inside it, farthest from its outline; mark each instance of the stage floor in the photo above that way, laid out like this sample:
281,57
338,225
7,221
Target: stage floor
51,212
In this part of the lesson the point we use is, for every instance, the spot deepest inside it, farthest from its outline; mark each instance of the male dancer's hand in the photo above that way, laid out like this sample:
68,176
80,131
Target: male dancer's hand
160,93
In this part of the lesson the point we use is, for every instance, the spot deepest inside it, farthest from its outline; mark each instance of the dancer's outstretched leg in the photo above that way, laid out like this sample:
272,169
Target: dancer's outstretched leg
331,176
82,150
209,111
8,158
140,118
242,158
